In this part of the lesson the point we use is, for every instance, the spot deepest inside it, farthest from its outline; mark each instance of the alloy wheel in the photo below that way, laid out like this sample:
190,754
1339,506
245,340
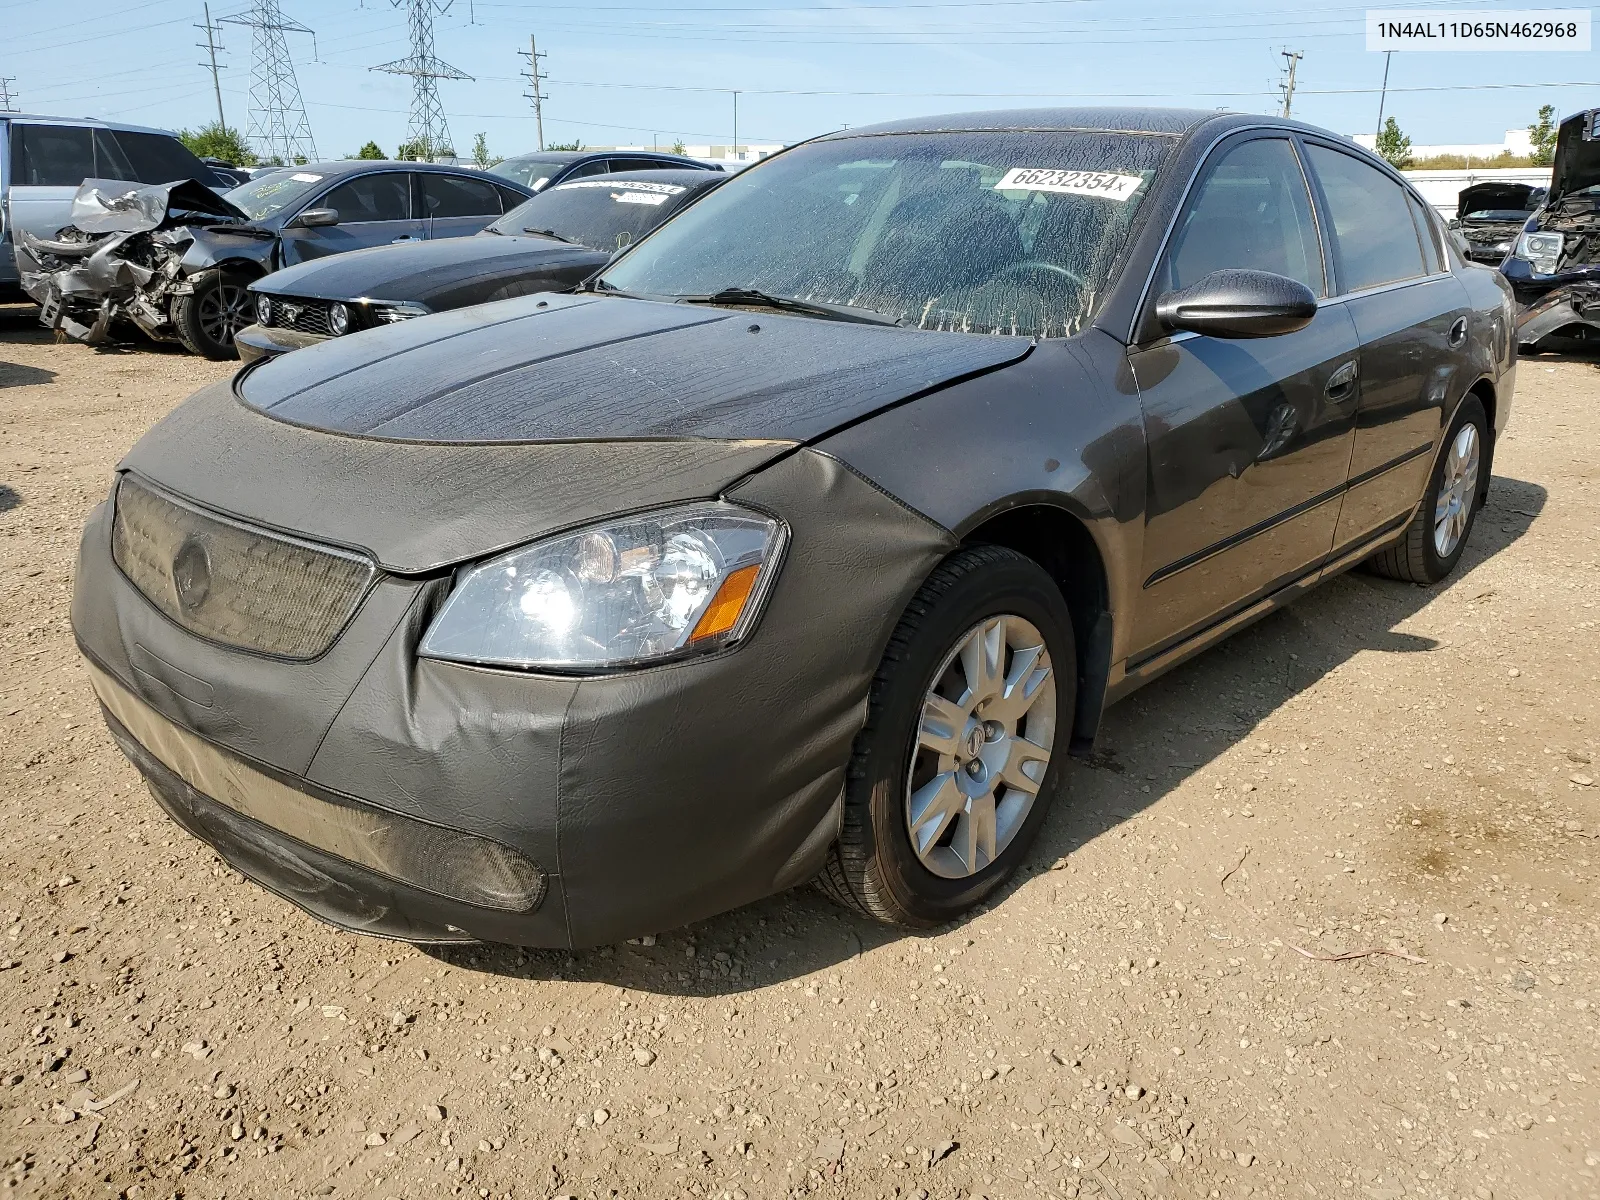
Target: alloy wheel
1457,488
983,745
222,312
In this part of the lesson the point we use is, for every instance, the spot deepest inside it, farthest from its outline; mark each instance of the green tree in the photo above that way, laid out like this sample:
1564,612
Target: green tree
1543,134
370,150
421,151
677,146
1394,146
216,140
481,157
565,146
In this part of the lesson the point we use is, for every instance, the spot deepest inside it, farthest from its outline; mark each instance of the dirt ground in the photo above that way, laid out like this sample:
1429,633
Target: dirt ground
1159,1006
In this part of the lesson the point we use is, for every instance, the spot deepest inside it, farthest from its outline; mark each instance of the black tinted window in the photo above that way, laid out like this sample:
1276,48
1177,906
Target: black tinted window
599,166
508,198
51,155
385,197
1374,239
641,164
601,214
1252,211
453,196
1427,230
157,158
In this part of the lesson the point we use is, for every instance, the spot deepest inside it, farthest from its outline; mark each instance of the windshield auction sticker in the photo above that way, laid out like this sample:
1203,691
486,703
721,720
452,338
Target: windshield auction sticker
1477,29
1074,183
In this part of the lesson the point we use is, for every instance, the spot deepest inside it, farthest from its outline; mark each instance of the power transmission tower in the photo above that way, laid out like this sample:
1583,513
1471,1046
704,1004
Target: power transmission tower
1292,58
533,75
278,125
7,100
428,134
211,46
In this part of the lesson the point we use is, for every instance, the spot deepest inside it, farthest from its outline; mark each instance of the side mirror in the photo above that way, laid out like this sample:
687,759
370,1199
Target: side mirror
1239,304
316,218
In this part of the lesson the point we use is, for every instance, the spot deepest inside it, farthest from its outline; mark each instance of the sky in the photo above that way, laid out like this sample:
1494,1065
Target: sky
631,72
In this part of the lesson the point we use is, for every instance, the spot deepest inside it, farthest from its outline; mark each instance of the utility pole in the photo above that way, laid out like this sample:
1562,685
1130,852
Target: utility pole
1384,94
211,47
7,100
736,126
535,93
1292,58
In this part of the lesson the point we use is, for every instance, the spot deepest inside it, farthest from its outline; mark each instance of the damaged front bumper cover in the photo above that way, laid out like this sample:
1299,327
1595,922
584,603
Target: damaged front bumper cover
1566,315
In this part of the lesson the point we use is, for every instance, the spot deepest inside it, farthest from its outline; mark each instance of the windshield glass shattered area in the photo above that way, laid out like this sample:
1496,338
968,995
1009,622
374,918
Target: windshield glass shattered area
273,193
599,213
1001,233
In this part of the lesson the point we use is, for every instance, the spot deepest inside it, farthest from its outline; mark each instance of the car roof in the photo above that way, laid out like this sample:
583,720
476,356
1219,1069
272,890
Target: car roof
567,157
352,166
1170,121
683,177
90,122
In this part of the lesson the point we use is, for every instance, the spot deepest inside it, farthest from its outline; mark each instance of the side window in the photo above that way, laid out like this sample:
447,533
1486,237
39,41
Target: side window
156,158
641,164
1374,237
1252,211
381,197
1428,231
51,155
598,167
508,198
453,196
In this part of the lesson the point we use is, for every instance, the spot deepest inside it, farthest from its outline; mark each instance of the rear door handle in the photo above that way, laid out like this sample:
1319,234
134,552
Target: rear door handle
1458,332
1342,382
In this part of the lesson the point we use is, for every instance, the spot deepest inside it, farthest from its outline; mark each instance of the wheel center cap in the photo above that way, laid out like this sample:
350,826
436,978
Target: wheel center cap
974,742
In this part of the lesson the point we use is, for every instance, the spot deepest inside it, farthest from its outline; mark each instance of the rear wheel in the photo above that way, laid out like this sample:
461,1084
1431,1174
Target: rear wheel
212,313
968,722
1438,533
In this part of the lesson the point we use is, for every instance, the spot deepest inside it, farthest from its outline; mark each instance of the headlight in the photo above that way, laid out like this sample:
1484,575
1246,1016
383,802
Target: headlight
1542,250
264,310
634,590
339,319
390,313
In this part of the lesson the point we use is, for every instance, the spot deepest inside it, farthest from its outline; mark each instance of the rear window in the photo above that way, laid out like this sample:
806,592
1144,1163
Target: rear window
51,155
600,213
452,196
1374,238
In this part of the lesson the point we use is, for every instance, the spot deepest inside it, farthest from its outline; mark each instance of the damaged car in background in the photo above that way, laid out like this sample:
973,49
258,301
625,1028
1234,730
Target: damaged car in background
1554,270
174,260
1490,215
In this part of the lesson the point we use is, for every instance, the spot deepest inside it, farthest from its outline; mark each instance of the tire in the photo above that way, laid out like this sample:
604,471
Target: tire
874,868
207,319
1418,556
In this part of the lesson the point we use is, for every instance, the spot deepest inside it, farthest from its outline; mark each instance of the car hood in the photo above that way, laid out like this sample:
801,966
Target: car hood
1483,196
1577,160
543,368
415,270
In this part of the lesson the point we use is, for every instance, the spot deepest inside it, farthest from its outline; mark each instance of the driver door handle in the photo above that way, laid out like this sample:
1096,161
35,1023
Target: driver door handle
1342,383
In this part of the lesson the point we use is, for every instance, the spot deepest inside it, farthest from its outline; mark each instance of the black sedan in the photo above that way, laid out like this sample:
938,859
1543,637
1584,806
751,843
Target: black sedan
546,168
552,242
812,540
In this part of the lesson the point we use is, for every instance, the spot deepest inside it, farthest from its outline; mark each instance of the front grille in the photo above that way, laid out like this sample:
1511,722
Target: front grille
308,316
231,583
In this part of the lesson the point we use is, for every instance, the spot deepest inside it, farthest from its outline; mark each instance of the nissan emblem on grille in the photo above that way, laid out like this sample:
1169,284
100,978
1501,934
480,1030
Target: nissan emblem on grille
191,574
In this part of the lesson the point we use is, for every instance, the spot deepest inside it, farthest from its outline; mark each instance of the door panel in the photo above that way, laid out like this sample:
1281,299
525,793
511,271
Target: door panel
1408,372
1248,454
1248,439
374,210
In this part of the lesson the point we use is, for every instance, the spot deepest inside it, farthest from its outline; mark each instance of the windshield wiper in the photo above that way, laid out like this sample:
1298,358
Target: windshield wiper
550,233
812,308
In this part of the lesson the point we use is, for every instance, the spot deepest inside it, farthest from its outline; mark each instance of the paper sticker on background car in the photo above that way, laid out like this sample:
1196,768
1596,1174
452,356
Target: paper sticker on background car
1073,183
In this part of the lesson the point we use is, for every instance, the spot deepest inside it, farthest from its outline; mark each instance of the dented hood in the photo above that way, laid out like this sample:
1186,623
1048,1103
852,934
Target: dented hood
542,368
116,206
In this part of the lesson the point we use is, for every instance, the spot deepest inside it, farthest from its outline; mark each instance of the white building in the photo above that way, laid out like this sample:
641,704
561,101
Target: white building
1518,142
718,154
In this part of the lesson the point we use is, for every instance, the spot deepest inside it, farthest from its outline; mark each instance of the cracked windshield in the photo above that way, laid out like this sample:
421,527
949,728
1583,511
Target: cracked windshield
977,233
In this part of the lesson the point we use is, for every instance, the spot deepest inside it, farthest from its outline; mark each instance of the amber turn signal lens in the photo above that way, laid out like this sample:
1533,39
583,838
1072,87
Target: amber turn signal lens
723,612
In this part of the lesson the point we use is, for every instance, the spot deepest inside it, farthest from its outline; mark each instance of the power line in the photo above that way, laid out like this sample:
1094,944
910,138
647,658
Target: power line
533,75
428,134
278,125
211,49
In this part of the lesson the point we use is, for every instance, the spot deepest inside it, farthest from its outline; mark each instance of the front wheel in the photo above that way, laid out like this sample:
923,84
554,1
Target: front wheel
968,721
211,314
1438,533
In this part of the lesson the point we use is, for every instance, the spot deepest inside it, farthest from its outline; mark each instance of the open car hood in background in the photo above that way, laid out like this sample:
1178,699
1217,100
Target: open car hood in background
554,367
1481,197
1577,161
